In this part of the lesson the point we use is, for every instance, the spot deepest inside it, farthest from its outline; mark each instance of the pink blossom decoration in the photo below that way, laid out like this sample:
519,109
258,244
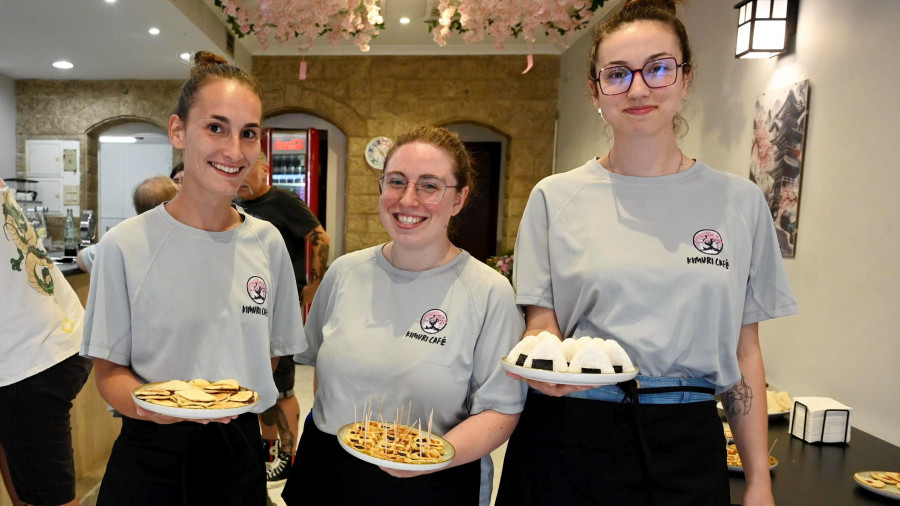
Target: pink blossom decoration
303,21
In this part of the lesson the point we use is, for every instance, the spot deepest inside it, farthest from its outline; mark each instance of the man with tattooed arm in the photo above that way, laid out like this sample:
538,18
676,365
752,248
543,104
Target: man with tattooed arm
297,224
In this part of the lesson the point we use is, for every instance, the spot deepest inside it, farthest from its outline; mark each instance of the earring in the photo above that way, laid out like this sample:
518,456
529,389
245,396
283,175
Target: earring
600,112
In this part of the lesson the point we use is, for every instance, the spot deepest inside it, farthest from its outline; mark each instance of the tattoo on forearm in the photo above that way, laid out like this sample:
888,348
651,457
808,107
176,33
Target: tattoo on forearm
284,430
323,259
737,401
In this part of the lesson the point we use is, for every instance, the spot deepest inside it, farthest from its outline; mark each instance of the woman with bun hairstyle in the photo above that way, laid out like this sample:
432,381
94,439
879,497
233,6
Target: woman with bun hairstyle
194,288
677,262
414,324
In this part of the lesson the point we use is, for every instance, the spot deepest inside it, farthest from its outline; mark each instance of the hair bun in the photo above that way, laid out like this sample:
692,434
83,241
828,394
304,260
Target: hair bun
663,5
207,59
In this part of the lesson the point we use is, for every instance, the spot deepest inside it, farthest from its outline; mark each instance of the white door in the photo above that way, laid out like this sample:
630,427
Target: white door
121,168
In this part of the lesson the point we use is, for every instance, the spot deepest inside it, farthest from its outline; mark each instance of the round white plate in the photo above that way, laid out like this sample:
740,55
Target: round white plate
772,416
449,454
888,491
191,414
568,378
740,469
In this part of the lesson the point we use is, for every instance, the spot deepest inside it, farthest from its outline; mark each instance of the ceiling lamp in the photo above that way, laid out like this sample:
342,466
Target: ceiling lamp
764,27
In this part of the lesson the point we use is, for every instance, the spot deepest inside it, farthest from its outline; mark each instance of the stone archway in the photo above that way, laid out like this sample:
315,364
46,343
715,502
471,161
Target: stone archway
90,180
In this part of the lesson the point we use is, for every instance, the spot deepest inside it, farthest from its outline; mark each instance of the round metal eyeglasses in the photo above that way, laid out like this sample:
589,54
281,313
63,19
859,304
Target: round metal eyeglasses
429,190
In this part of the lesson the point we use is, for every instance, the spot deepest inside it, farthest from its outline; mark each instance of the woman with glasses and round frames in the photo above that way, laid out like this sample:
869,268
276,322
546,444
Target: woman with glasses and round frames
415,324
678,263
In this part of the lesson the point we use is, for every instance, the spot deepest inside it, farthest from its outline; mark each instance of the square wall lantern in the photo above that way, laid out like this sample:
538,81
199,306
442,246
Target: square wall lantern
764,27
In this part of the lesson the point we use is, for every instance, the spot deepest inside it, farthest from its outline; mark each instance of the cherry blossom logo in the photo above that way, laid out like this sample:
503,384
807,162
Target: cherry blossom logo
256,289
709,242
433,321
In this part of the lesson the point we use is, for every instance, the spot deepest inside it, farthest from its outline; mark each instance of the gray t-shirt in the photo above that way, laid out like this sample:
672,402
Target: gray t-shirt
670,266
175,302
378,334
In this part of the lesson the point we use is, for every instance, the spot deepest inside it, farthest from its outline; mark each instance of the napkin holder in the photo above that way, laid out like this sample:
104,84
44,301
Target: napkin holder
802,410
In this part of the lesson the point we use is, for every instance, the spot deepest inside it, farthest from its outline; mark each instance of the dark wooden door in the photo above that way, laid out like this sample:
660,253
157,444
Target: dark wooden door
475,228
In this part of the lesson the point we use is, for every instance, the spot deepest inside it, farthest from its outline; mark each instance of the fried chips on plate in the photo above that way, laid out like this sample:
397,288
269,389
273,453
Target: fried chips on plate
195,399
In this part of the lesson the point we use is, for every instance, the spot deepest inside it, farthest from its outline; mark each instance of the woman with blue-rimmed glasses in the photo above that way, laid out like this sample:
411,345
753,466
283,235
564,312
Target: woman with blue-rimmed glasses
674,260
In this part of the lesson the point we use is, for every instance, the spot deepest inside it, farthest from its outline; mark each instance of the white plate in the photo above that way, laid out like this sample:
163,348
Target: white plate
772,416
449,454
568,378
888,491
191,414
740,469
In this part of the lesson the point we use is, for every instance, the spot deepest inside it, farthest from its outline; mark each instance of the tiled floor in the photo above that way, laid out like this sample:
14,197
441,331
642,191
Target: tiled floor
303,391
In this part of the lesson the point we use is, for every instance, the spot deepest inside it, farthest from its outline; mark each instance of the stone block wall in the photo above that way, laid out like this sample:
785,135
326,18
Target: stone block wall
368,96
364,96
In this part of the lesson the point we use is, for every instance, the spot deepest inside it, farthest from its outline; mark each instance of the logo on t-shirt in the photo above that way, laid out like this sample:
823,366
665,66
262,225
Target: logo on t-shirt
256,289
709,242
433,321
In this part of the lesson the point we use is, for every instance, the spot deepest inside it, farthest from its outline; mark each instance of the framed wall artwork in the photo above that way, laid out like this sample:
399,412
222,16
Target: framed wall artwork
776,161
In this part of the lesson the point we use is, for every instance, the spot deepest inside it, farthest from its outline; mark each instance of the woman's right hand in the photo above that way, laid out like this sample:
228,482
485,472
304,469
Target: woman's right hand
552,389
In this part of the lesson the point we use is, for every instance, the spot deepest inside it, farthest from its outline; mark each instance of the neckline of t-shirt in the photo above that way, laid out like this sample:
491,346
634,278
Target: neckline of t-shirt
650,181
206,233
382,260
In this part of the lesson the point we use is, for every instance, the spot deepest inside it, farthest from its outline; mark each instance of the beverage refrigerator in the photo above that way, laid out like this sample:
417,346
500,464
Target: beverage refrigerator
294,165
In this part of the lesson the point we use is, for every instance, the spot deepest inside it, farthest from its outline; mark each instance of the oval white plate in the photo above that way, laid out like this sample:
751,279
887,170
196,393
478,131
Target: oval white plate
190,414
449,454
772,416
568,378
891,491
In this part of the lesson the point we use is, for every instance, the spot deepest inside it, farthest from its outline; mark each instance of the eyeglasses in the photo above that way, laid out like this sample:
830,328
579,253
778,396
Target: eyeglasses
430,190
656,74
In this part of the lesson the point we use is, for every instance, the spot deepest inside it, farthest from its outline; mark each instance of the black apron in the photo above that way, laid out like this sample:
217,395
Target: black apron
323,469
186,464
577,451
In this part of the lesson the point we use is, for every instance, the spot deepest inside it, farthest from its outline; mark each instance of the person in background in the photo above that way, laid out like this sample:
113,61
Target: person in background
177,174
148,194
678,263
40,369
194,288
415,323
297,225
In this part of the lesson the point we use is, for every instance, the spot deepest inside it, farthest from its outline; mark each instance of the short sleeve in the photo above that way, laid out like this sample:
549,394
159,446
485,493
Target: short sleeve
107,321
502,328
769,293
531,268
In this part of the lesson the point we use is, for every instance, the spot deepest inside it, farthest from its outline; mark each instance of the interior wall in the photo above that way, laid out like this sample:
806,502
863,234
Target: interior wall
844,343
7,127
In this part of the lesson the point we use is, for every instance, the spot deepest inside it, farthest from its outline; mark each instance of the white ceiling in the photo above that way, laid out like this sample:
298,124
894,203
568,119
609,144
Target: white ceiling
111,41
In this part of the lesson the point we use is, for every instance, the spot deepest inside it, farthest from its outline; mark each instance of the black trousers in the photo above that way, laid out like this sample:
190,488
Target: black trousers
587,452
323,469
186,463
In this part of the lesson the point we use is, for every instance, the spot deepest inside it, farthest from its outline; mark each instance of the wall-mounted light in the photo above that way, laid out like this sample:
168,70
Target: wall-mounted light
764,27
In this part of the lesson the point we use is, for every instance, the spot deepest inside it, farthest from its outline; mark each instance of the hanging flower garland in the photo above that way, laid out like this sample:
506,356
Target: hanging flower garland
500,19
304,21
